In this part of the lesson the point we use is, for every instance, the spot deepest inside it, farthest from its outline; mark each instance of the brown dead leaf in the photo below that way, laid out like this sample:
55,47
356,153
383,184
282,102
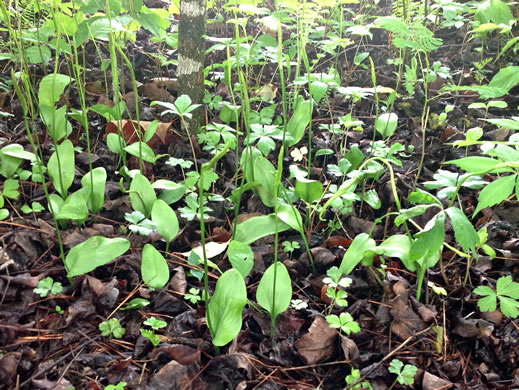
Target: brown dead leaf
350,349
405,321
318,345
178,282
183,354
432,382
130,131
172,376
153,92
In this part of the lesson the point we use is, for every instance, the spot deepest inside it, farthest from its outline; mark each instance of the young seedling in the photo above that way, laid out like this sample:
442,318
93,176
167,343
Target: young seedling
352,379
193,295
405,374
112,327
119,386
507,291
344,323
140,224
290,246
298,304
335,281
155,324
48,286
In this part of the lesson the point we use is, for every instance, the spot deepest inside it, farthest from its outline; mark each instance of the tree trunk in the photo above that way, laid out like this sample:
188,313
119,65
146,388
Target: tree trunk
191,47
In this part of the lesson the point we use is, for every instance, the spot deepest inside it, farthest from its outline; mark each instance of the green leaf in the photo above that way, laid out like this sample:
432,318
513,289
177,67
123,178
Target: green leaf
241,257
386,124
136,303
62,170
299,121
147,152
477,164
264,175
257,227
224,310
10,189
96,193
308,190
429,241
399,246
275,302
166,220
289,215
114,142
93,253
4,213
154,269
506,286
51,88
142,195
495,192
155,324
355,253
75,207
464,231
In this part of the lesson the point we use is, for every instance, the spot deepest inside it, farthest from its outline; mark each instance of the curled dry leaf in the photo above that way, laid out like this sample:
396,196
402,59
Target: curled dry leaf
130,129
318,345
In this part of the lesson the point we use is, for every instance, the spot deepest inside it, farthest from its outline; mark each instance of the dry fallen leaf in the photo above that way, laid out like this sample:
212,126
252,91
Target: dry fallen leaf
318,345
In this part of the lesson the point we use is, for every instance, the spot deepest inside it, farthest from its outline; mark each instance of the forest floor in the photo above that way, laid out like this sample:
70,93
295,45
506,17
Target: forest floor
54,342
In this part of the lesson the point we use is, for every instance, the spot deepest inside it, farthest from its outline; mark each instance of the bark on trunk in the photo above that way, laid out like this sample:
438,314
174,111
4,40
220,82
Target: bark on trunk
191,47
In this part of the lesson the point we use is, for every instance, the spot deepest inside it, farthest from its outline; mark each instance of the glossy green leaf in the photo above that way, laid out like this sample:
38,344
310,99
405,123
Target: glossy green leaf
241,257
275,302
154,269
257,227
289,215
464,231
264,175
142,195
495,192
62,170
224,310
386,124
93,253
361,244
430,240
51,87
96,193
166,220
115,143
309,190
75,207
475,164
140,149
299,121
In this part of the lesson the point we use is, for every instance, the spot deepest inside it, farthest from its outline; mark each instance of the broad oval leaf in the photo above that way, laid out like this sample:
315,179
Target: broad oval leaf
278,302
51,88
290,215
95,182
386,124
224,310
154,269
142,195
264,175
140,149
62,170
360,245
257,227
93,253
299,121
166,220
309,190
477,164
241,257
